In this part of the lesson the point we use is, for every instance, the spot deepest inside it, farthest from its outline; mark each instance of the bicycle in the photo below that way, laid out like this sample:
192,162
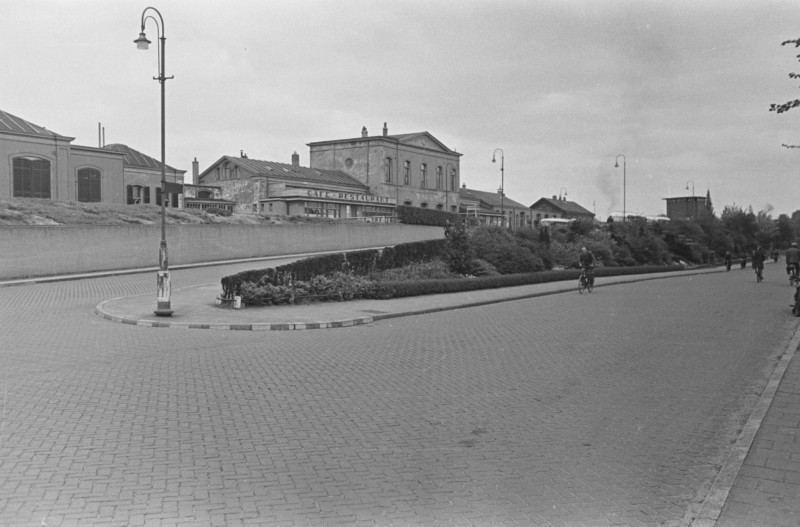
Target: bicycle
585,282
794,279
759,273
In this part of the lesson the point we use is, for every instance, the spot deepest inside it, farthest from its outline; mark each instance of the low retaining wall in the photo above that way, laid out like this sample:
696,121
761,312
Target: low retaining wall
30,250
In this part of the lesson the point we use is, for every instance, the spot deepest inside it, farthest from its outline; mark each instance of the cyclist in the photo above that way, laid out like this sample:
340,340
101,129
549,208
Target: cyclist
792,260
758,262
586,261
728,260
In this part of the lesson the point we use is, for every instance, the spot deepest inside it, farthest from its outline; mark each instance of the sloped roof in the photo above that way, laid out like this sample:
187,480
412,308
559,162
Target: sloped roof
568,207
16,125
400,138
288,171
135,159
491,198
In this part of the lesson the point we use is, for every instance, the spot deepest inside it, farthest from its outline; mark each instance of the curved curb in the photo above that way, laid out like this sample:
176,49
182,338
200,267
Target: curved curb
288,326
265,326
717,495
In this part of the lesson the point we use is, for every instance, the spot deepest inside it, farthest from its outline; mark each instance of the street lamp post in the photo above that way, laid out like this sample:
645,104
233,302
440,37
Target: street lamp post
502,182
694,203
624,184
564,194
163,307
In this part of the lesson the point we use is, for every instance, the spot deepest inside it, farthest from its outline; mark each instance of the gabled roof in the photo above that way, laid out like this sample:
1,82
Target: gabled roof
493,199
135,159
568,207
283,170
415,137
16,125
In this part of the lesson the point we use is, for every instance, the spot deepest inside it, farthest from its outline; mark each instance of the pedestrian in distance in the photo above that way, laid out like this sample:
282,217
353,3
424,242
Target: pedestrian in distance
758,262
744,261
792,261
728,260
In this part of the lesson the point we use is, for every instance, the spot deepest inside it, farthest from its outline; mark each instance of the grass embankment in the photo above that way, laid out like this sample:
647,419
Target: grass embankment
30,211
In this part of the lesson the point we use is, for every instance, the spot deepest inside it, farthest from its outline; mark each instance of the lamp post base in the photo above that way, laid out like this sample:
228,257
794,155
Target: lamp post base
163,307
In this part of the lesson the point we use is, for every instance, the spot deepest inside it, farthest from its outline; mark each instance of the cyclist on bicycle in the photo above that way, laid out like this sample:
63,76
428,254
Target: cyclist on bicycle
793,260
586,260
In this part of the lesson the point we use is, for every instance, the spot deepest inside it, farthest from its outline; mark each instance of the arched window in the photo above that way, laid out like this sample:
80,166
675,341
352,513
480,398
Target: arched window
438,177
407,203
453,179
88,185
31,177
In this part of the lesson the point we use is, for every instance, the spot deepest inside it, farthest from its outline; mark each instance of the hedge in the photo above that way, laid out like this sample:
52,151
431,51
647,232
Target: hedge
360,263
418,216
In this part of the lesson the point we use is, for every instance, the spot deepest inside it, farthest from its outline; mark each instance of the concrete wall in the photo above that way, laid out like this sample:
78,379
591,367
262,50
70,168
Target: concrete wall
27,251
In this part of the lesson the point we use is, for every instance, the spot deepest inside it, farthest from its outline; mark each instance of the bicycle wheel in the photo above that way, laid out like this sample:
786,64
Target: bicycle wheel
581,284
590,285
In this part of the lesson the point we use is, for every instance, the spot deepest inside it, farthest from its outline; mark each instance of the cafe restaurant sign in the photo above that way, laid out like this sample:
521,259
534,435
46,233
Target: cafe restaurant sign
348,196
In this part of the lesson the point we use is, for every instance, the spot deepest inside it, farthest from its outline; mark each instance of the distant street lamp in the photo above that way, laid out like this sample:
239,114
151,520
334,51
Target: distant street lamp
624,184
694,203
448,185
502,182
163,308
687,186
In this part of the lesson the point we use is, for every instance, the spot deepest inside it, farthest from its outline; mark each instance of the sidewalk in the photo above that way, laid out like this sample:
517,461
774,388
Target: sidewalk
195,307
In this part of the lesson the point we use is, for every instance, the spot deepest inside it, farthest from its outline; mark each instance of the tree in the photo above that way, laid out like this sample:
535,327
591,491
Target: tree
785,107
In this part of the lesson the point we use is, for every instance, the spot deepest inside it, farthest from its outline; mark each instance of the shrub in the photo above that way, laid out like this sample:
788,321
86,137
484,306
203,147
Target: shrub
419,216
217,211
497,246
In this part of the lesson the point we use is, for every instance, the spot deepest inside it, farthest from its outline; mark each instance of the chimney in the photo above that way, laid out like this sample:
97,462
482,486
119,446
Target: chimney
363,131
242,154
463,185
555,197
295,160
385,130
195,170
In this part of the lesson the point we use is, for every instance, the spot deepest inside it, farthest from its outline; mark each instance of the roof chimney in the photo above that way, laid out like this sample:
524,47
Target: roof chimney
195,170
295,160
363,131
385,130
463,185
555,197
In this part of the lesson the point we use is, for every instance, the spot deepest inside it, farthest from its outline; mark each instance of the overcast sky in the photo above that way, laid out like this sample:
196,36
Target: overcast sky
681,88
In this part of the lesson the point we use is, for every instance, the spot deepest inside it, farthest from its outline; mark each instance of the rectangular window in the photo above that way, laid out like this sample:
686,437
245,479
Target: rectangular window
406,172
439,177
31,178
423,170
387,169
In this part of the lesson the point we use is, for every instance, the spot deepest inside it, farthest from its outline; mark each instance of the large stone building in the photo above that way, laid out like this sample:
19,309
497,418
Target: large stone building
38,163
413,169
271,188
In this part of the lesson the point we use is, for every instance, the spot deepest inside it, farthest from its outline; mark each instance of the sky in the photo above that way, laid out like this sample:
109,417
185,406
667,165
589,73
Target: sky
680,88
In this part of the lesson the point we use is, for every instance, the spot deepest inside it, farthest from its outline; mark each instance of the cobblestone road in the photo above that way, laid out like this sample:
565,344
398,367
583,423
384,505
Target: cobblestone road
614,408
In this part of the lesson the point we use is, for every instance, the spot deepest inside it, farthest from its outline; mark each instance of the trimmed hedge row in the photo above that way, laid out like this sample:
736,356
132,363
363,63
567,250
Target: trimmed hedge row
343,286
417,216
359,263
454,285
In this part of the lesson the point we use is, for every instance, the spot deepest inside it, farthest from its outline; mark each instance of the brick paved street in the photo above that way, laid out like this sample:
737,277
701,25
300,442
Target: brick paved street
615,408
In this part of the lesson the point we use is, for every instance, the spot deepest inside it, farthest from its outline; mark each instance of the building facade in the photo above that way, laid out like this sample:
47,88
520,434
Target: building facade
38,163
559,208
492,208
686,208
409,169
270,188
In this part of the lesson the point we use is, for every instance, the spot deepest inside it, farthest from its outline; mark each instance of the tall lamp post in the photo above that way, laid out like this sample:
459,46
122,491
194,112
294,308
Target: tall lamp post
502,181
448,185
624,190
163,308
694,203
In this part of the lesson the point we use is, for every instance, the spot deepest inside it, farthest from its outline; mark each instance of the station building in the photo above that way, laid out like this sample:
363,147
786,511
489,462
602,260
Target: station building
38,163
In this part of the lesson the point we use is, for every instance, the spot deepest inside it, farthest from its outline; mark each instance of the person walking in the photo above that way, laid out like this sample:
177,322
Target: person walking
758,262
